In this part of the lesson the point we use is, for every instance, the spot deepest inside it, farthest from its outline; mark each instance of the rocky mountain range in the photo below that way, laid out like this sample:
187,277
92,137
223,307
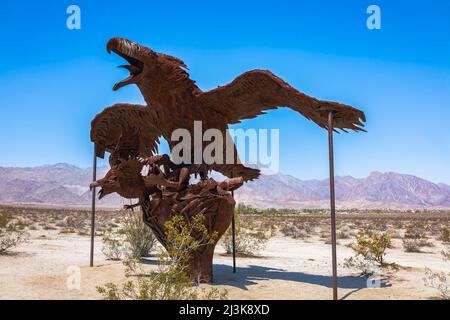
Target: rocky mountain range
378,190
64,184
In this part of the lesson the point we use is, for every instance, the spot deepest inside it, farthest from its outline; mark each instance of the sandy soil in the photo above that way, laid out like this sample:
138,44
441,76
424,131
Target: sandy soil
289,269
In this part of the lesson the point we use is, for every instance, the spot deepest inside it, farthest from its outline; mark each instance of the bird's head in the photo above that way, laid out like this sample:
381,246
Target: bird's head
108,184
123,178
148,69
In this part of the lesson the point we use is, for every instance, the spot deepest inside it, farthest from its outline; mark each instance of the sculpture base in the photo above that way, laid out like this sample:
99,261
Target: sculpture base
208,198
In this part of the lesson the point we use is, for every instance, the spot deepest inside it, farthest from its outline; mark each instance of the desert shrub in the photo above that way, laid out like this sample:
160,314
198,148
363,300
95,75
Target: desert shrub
133,240
381,226
249,241
344,232
398,224
10,239
293,231
445,235
316,230
18,224
415,239
46,226
5,218
439,280
446,253
268,224
12,232
414,232
83,232
273,230
353,233
326,236
112,246
395,234
369,252
138,236
170,282
180,242
412,245
68,230
69,221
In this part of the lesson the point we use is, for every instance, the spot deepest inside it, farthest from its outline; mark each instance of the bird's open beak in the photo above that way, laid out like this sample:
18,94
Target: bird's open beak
96,184
132,52
101,194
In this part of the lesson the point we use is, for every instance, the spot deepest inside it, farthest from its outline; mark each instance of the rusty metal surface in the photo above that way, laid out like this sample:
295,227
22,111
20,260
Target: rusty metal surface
130,133
332,202
163,194
174,101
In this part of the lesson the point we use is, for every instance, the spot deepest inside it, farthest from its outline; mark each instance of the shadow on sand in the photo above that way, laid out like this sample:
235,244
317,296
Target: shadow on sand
244,277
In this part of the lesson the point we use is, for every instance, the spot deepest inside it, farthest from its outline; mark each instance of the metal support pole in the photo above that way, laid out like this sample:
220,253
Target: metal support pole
94,178
233,231
332,202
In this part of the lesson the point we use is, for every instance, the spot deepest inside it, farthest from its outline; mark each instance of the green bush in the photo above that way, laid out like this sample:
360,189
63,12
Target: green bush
180,242
112,246
170,281
138,236
249,241
291,230
445,235
369,252
11,238
415,239
440,280
5,218
412,245
133,240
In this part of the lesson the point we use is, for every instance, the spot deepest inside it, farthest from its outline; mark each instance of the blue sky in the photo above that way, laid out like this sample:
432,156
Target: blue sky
54,80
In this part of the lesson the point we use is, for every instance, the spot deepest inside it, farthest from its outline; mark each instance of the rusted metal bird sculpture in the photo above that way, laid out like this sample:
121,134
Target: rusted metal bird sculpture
174,101
130,133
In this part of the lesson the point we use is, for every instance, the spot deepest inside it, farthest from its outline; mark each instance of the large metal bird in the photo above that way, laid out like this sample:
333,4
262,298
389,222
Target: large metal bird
174,101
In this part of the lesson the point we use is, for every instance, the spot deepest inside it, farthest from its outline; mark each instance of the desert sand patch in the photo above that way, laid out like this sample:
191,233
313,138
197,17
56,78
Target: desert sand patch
287,268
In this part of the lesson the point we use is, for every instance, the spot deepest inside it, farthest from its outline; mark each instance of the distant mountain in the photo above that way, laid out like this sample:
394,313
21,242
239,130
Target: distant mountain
398,188
64,184
59,184
378,190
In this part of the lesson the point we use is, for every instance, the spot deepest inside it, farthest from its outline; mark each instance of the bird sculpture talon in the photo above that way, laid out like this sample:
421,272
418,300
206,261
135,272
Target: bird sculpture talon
130,206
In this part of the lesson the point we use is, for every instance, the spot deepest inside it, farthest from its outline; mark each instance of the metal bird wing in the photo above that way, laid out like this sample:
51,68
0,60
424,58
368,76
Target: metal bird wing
129,169
253,92
126,128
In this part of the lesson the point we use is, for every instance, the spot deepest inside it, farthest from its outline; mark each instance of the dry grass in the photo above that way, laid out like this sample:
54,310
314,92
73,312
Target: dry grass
417,230
426,226
306,254
66,221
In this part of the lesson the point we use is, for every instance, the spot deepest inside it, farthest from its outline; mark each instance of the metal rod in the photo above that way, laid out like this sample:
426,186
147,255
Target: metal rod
332,202
233,231
94,178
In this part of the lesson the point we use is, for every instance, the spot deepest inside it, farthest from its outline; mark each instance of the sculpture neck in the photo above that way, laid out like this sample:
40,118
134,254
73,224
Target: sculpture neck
175,106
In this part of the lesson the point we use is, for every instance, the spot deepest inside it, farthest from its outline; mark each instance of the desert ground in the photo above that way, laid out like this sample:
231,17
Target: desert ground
294,264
